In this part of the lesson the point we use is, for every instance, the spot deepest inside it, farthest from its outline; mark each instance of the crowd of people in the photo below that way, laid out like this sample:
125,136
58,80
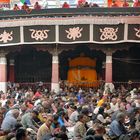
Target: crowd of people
80,4
72,113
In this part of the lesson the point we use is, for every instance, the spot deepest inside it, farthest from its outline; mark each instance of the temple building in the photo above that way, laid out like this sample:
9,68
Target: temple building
79,45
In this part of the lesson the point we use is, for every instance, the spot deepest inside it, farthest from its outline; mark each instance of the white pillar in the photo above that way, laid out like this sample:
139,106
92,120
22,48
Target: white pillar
3,73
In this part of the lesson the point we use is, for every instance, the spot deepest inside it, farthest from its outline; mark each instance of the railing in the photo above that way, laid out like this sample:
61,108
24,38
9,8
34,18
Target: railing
34,85
127,84
47,85
69,12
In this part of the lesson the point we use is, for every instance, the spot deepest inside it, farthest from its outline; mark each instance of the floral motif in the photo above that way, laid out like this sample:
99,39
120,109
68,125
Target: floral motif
5,36
137,32
108,33
39,34
74,33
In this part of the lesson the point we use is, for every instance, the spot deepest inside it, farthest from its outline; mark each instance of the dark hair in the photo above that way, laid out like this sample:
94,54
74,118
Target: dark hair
101,110
80,116
89,137
90,131
55,117
62,136
35,112
85,111
21,132
135,133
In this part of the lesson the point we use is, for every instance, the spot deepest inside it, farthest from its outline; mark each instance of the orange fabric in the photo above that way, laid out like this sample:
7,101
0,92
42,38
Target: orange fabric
119,3
109,3
4,1
82,61
85,75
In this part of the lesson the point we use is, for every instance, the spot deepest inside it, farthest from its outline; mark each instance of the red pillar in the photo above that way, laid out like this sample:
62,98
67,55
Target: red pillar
3,73
12,70
108,72
55,73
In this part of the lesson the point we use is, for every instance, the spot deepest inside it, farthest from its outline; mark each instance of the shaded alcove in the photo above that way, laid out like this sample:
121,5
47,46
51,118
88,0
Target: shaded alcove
32,65
126,64
74,52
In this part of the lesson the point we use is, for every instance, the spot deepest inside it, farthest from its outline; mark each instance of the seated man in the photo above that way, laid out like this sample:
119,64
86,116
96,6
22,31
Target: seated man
27,120
10,120
117,128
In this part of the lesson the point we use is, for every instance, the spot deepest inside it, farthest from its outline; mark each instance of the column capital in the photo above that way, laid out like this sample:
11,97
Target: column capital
3,53
55,51
109,51
12,61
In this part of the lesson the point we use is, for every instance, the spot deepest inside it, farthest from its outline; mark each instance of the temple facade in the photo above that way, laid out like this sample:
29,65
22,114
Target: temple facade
58,32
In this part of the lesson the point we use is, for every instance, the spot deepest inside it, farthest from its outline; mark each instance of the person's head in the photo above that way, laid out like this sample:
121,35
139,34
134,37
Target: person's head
34,114
89,137
81,118
23,108
135,135
55,119
113,1
114,101
21,134
25,3
101,110
121,117
16,5
62,136
15,113
3,110
3,96
49,119
133,104
99,129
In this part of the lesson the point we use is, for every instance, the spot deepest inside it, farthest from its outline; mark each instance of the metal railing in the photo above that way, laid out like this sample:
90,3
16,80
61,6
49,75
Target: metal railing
70,12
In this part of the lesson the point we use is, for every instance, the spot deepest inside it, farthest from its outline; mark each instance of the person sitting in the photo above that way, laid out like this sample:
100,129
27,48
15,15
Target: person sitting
86,4
16,7
27,120
79,128
117,128
95,5
136,3
114,4
37,6
65,5
25,6
125,4
45,128
21,134
10,120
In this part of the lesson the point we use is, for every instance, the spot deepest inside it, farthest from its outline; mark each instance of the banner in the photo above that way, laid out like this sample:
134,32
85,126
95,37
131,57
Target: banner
4,4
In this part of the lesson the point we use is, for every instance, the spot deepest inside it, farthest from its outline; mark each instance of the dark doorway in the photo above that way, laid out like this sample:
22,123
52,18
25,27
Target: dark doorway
126,64
32,65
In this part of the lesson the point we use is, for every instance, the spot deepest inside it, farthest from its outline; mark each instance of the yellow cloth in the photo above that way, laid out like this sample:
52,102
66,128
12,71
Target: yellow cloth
100,102
42,131
41,118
